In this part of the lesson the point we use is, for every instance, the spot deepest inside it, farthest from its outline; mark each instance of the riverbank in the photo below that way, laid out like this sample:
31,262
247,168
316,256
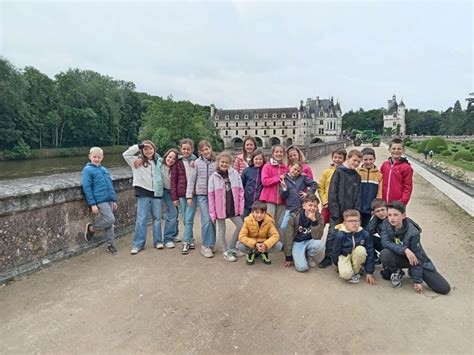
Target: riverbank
66,152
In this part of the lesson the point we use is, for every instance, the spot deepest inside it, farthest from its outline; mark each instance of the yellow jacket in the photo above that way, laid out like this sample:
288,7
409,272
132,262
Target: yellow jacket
251,233
323,187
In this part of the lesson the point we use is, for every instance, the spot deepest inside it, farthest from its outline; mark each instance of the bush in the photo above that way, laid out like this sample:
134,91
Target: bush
446,153
436,142
464,155
440,148
407,141
465,145
454,149
20,151
421,147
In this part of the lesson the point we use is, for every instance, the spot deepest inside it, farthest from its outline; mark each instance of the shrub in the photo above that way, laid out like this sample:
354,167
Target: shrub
440,148
454,149
421,146
436,142
465,145
20,151
446,153
407,141
464,155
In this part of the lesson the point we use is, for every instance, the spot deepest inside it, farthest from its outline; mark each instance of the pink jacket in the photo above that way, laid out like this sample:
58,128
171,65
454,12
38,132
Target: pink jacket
271,183
216,195
307,171
239,163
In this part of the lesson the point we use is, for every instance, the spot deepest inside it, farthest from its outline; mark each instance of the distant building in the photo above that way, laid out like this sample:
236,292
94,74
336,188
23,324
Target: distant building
317,121
394,117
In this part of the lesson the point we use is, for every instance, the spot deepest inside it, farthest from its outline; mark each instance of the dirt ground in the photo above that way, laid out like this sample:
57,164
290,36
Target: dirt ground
162,302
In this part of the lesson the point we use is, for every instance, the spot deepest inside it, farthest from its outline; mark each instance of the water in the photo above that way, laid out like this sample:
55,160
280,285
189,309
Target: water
15,169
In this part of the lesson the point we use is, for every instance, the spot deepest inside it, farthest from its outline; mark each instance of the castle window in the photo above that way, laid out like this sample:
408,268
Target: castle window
217,117
283,115
274,123
217,124
227,124
245,133
256,124
265,123
226,117
236,133
255,116
256,131
282,123
236,124
294,131
394,124
246,124
246,117
226,133
274,115
294,123
236,117
264,132
265,115
321,122
293,115
274,131
321,131
282,131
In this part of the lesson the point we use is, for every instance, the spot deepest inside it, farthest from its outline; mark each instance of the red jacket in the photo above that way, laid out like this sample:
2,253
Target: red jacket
397,180
179,182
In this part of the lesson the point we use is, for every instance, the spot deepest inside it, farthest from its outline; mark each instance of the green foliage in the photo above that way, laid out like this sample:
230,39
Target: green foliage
440,148
422,146
363,120
454,149
446,153
464,155
436,142
21,150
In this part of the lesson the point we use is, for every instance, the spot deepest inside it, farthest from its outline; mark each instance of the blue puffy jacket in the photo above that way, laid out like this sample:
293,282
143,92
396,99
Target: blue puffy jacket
252,182
97,184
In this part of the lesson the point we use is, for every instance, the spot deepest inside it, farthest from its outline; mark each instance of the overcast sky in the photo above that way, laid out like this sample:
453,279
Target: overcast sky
255,54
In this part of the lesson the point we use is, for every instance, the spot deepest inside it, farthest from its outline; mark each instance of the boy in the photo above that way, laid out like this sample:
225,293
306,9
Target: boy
353,247
397,174
371,180
344,194
100,196
402,249
258,234
379,214
303,235
338,157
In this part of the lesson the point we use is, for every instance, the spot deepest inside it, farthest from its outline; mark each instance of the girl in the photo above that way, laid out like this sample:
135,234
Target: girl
295,154
148,191
294,189
242,160
273,172
169,159
180,175
252,180
204,166
226,201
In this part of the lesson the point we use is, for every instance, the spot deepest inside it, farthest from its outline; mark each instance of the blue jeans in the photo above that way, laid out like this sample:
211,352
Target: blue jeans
171,216
305,248
208,230
188,215
284,222
145,205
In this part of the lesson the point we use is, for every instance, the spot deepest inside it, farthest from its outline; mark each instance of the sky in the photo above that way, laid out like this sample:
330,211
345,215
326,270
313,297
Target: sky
255,54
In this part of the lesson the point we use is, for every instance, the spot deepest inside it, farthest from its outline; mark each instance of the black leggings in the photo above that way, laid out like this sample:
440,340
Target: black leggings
433,279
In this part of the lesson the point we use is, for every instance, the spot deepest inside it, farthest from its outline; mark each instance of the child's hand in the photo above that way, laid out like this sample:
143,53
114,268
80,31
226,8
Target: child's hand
115,206
95,209
302,194
261,247
288,263
190,202
418,288
370,279
311,215
138,163
411,257
176,203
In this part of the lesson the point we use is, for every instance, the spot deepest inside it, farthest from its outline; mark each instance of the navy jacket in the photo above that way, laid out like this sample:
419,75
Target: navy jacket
344,191
252,182
97,184
408,237
294,187
346,241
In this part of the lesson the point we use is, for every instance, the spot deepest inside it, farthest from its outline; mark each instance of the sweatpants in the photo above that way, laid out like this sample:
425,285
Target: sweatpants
277,211
433,279
351,263
106,221
220,224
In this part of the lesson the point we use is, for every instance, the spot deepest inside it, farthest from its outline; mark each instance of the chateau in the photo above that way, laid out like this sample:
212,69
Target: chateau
319,120
394,117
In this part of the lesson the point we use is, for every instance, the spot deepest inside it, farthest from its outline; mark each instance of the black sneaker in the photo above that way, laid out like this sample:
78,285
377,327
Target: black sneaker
325,262
385,273
111,249
87,233
265,258
185,249
251,258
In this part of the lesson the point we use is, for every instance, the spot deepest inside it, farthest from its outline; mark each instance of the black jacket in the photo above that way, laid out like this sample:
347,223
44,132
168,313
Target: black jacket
344,191
346,241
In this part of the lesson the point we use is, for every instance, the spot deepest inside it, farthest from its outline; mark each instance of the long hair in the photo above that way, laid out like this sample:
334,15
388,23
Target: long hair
205,143
248,138
145,160
301,157
168,152
256,153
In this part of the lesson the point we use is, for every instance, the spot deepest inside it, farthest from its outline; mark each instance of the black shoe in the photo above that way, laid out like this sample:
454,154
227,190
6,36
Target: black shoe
87,233
265,258
325,262
250,258
111,249
385,273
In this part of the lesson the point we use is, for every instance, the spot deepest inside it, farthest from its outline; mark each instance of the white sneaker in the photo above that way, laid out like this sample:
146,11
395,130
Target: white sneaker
236,252
355,278
206,252
159,245
134,251
169,245
311,261
177,239
229,256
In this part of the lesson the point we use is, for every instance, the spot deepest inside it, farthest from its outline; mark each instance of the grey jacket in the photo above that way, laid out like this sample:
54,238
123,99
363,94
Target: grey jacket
197,183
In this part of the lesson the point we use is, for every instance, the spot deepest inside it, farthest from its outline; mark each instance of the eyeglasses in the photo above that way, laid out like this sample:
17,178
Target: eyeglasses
353,221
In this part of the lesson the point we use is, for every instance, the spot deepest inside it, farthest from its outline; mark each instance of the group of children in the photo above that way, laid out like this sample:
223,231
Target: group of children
274,206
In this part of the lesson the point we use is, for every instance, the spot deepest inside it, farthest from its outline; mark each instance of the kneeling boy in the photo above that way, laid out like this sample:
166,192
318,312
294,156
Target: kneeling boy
303,235
258,234
353,247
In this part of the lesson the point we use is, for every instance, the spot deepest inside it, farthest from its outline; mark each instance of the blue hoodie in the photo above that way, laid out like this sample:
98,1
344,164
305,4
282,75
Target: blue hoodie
97,184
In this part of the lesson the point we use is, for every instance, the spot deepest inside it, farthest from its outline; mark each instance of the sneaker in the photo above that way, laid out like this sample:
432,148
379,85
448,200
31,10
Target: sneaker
251,258
111,249
185,249
177,239
265,258
228,256
206,252
385,273
325,262
236,252
134,251
355,278
87,233
396,278
311,261
213,249
170,245
159,245
362,271
192,245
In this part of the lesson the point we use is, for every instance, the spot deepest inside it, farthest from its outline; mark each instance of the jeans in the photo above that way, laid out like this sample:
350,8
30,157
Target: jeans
171,216
145,205
188,215
106,221
208,230
303,249
245,249
286,219
220,223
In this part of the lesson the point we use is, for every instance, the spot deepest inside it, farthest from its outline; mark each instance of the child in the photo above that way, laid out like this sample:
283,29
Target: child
252,180
338,157
204,167
397,174
258,234
353,247
379,214
344,194
148,185
295,154
226,201
371,180
169,160
273,172
293,189
100,196
242,160
303,235
402,249
180,175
